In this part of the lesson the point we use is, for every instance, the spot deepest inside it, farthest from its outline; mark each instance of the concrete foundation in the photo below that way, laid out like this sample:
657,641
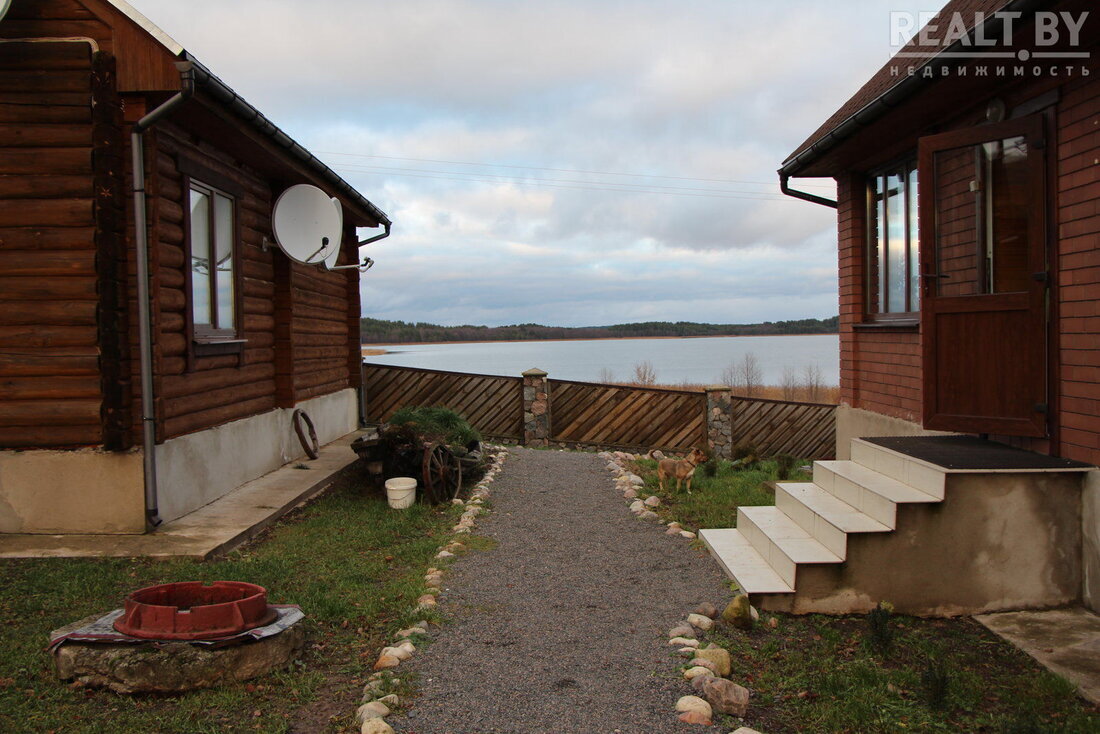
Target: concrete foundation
198,468
1090,540
99,492
43,491
857,423
997,541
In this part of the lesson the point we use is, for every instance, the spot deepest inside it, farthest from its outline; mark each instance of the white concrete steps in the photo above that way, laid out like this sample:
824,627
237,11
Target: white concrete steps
742,562
865,489
782,541
917,474
825,517
811,522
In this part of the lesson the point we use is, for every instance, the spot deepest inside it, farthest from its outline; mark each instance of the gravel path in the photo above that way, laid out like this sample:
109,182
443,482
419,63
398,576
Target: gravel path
562,626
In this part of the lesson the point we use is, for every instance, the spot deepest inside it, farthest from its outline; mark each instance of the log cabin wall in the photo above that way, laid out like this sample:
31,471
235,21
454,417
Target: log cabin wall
295,319
322,333
195,391
52,215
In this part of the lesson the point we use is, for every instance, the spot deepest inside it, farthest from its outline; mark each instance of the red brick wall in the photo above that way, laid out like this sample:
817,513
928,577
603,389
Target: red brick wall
879,368
1078,280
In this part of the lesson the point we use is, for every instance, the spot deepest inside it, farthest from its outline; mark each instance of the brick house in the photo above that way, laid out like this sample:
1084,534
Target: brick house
968,209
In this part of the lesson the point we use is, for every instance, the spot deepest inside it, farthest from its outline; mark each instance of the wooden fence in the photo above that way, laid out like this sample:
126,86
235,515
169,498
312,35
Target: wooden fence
595,414
493,405
628,417
804,430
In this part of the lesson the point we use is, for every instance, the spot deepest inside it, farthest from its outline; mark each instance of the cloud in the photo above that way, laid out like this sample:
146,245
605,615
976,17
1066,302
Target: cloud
626,151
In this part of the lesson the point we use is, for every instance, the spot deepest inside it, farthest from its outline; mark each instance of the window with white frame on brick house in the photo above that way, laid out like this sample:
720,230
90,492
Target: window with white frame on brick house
893,237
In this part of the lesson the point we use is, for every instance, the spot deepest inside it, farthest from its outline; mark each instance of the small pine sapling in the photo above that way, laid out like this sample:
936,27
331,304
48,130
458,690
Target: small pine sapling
880,629
935,683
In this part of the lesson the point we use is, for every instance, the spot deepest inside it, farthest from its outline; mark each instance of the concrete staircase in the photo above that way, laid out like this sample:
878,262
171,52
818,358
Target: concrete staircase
887,526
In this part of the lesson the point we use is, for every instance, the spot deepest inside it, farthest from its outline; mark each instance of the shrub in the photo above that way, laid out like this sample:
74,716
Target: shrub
434,424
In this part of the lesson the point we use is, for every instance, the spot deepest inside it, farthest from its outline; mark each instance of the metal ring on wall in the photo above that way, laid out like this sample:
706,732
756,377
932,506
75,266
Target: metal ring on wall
312,448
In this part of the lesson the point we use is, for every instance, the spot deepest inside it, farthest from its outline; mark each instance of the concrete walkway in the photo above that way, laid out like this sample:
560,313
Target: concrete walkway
1064,641
211,530
561,627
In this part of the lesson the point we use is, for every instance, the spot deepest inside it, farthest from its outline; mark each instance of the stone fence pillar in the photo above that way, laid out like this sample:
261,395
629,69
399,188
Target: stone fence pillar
536,408
719,421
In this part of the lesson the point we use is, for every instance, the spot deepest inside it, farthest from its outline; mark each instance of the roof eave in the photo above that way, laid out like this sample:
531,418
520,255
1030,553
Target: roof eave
224,95
895,95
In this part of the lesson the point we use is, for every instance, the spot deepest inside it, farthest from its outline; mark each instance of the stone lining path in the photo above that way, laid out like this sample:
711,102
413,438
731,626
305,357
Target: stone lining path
561,627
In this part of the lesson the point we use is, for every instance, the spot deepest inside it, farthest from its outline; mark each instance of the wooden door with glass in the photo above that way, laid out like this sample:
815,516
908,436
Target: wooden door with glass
984,279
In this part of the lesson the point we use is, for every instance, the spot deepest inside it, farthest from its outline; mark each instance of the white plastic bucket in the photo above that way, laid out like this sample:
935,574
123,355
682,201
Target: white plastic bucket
401,492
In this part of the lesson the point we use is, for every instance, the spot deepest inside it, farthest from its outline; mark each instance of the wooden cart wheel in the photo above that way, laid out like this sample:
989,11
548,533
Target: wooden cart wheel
442,473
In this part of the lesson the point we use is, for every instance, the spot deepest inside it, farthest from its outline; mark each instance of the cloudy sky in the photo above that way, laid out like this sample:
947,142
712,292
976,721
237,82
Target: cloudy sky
566,162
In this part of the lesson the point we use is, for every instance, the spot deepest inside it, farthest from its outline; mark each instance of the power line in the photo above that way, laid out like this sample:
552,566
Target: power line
762,197
564,170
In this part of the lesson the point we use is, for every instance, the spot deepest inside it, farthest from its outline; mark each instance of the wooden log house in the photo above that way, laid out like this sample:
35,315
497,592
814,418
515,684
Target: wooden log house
240,334
968,207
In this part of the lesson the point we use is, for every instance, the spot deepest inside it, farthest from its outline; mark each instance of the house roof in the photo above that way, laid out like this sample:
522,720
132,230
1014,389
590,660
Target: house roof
235,103
871,100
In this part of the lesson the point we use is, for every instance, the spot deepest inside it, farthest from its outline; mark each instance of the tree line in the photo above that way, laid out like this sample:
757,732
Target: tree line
379,331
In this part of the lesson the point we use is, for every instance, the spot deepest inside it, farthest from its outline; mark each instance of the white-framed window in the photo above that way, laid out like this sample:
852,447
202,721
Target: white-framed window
212,236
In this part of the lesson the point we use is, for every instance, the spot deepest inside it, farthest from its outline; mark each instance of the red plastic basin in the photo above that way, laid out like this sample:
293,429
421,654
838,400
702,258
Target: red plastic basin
191,610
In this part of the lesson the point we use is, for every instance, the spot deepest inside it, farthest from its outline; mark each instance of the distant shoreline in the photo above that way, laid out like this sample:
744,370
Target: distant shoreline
374,346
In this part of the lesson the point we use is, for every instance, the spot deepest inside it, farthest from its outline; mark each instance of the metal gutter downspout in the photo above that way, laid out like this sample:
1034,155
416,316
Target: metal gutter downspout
145,336
362,383
814,198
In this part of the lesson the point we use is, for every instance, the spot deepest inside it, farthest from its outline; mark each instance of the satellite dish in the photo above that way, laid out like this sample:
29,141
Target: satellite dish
308,225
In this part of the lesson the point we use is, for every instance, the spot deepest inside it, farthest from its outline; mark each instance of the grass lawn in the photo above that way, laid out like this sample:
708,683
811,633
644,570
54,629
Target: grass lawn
354,566
832,674
714,500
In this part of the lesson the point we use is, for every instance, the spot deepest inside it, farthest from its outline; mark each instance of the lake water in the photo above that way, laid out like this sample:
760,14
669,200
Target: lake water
696,361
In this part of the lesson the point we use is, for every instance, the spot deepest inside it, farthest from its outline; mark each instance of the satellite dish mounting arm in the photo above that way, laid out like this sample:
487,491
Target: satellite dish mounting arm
367,262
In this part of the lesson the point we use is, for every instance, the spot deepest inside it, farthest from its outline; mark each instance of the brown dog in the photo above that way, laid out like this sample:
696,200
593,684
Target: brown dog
679,470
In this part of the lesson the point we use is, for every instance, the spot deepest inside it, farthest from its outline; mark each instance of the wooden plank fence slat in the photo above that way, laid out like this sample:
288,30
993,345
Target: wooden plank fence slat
805,430
613,415
493,405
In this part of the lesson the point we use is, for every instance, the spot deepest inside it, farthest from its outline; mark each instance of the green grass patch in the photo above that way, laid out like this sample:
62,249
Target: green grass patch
714,500
824,674
354,566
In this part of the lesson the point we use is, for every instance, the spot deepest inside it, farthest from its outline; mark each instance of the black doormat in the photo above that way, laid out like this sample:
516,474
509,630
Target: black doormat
967,452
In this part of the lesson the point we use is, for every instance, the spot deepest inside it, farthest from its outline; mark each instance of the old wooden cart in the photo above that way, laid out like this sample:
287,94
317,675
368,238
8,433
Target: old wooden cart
436,466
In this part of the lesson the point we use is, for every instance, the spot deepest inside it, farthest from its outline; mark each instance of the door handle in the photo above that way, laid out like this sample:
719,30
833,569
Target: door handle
944,276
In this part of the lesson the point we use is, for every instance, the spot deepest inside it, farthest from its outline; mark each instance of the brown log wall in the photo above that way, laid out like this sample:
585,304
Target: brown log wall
50,381
195,391
321,330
